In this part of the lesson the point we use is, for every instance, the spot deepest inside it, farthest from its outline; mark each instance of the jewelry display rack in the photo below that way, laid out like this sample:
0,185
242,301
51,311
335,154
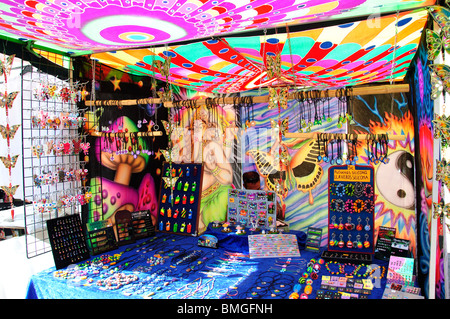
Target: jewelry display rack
51,180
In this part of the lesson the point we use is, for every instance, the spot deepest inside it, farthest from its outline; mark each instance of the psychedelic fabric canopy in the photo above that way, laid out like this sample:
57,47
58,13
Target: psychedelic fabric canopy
372,50
85,26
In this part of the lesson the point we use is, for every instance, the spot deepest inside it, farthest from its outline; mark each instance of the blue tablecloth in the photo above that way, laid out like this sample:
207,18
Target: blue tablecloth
169,266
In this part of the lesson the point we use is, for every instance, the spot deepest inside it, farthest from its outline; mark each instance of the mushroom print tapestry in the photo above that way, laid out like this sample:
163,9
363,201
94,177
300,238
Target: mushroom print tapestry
125,169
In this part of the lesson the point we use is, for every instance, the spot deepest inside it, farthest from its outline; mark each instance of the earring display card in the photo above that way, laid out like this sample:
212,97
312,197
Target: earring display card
252,208
124,227
67,240
101,237
180,197
351,209
142,224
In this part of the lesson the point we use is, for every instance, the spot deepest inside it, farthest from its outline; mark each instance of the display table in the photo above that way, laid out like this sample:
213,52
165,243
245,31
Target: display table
171,266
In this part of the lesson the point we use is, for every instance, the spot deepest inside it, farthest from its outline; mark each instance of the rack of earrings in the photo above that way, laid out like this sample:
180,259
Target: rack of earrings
54,150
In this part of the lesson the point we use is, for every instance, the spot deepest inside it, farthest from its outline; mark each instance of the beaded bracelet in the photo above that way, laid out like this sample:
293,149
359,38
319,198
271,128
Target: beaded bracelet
383,270
332,189
369,205
327,266
358,205
340,190
350,189
368,191
342,269
359,189
368,269
349,206
339,205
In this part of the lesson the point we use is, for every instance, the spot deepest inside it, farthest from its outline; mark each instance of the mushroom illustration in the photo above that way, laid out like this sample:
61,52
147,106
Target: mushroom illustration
125,156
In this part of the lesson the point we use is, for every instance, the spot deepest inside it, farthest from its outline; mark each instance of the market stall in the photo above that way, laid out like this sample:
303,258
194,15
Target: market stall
134,151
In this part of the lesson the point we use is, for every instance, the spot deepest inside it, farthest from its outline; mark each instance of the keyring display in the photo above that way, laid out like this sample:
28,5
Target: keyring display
351,209
179,202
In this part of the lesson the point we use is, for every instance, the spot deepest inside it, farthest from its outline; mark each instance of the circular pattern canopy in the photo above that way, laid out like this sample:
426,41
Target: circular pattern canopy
86,26
337,56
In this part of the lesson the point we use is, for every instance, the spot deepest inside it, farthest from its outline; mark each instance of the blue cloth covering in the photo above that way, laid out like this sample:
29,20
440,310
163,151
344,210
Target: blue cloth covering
169,266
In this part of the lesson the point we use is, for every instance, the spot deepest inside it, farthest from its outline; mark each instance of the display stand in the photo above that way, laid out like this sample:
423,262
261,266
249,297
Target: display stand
179,203
124,227
101,237
142,224
252,208
67,240
351,213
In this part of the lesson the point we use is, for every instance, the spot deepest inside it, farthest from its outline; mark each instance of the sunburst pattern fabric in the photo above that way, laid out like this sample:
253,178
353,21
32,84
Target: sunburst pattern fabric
344,55
86,26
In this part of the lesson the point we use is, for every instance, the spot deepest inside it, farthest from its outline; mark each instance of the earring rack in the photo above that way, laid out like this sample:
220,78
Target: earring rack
43,156
357,90
107,134
331,136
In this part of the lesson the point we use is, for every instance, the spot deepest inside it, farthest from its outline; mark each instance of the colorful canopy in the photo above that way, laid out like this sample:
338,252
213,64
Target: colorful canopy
370,50
86,26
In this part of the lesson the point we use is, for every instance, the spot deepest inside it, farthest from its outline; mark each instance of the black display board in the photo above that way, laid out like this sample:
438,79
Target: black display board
124,227
101,238
67,240
180,196
142,224
351,209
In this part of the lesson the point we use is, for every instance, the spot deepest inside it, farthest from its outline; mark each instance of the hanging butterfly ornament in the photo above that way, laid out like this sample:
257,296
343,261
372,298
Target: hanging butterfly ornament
10,161
8,132
437,43
6,100
278,97
273,66
441,15
441,210
443,172
441,125
10,191
5,66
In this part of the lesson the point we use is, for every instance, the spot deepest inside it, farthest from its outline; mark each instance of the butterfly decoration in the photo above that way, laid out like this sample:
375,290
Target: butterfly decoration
170,182
273,66
443,172
278,96
37,150
442,16
436,43
165,95
284,125
164,67
9,132
6,100
57,148
85,147
440,79
10,191
436,86
171,155
441,210
441,125
9,162
5,66
302,168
